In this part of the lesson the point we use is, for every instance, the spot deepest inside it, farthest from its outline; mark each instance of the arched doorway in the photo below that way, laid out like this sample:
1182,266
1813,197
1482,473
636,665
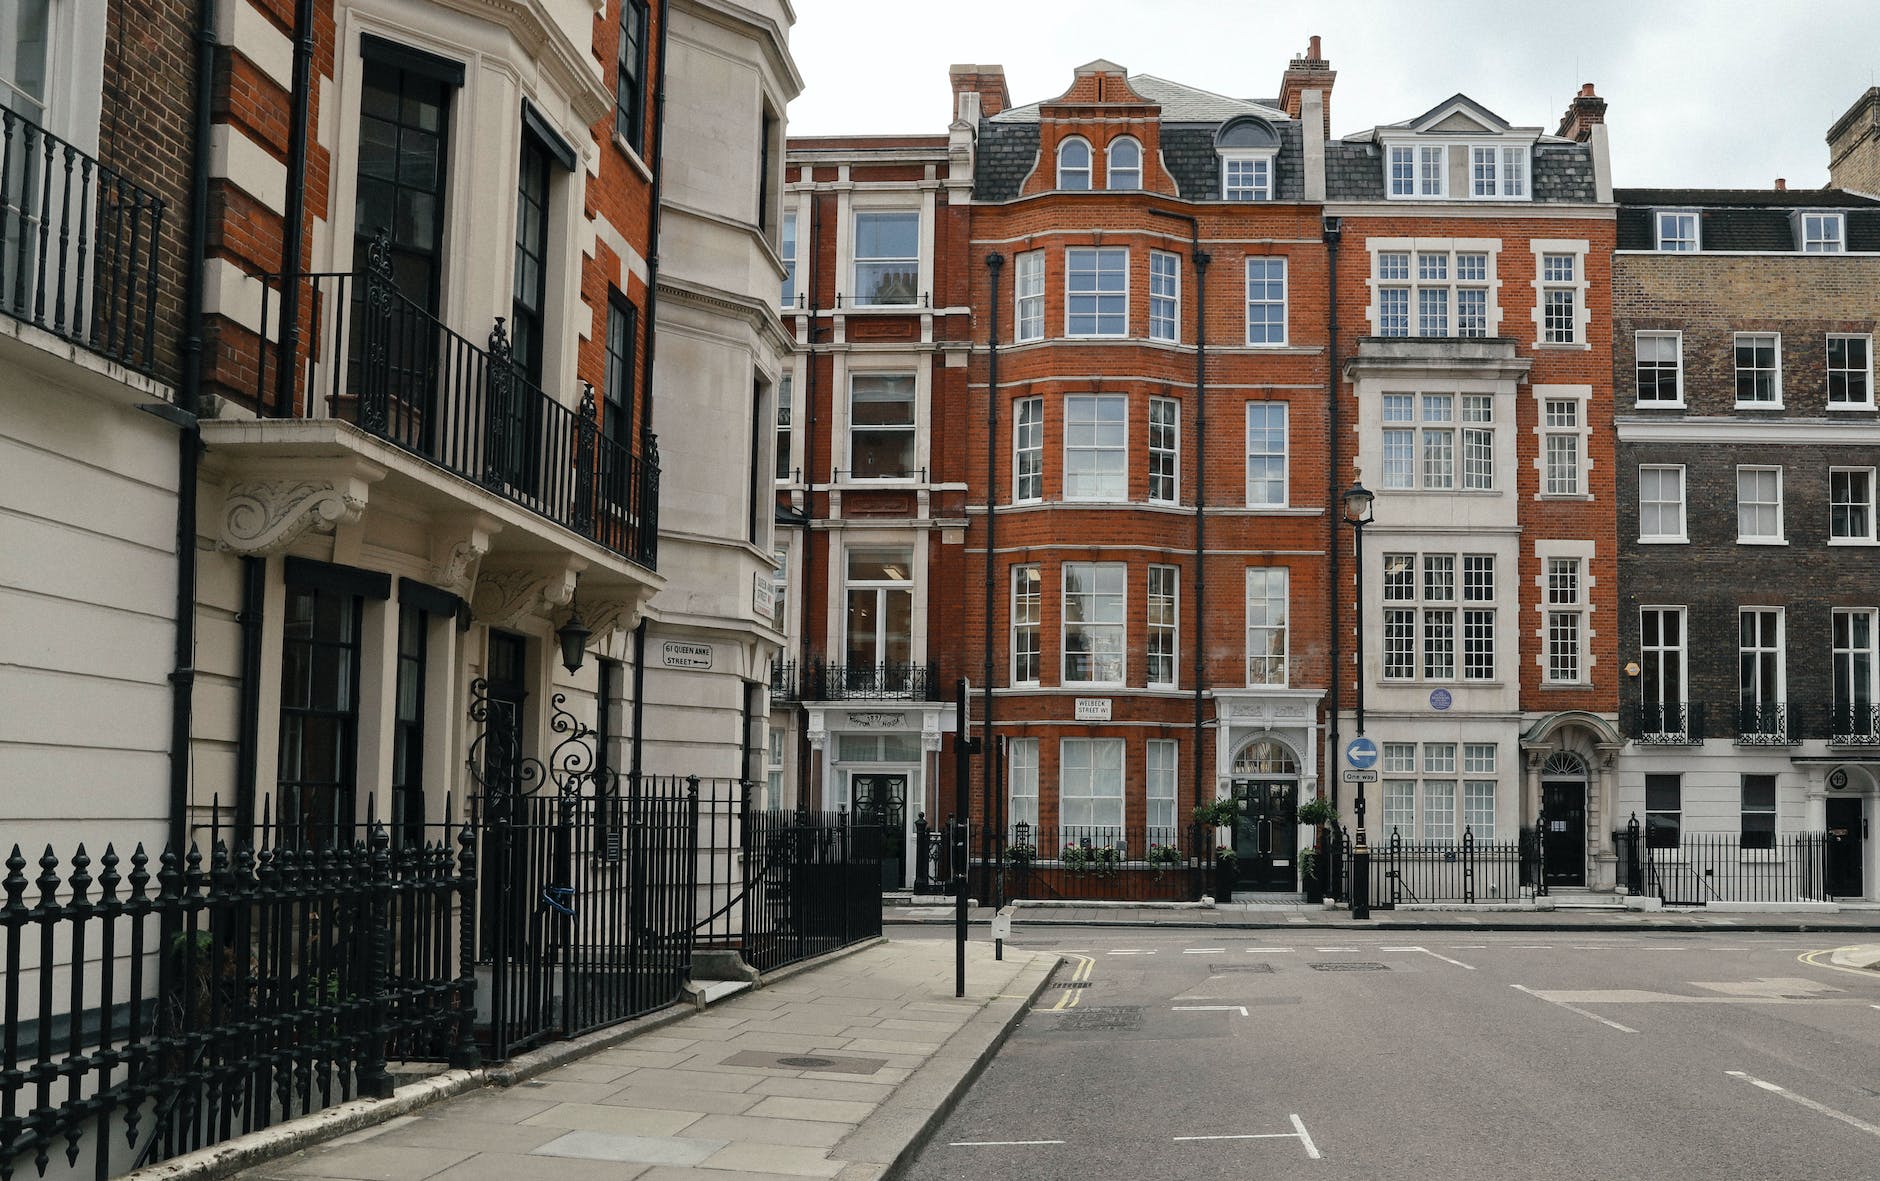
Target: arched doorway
1563,819
1266,822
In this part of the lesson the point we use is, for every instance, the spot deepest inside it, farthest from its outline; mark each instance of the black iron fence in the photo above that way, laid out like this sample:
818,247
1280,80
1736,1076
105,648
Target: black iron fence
1854,725
78,245
1669,723
1130,863
157,1007
892,681
1696,869
356,348
1763,723
1437,871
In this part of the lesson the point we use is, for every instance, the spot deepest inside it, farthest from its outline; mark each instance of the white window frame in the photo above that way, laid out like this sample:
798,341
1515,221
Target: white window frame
1676,241
1845,657
1507,175
1247,175
858,260
1752,340
1447,432
1266,455
1822,232
912,428
1551,287
1478,821
1159,774
1269,617
1027,620
786,249
1682,536
1427,178
1099,756
1779,537
1021,786
1564,434
1867,506
881,589
1669,657
1165,464
1027,450
1108,304
1028,296
1265,300
1115,630
1778,653
1110,169
1638,367
1073,446
785,447
1167,629
1847,373
1087,169
1462,614
1165,296
1564,589
1412,279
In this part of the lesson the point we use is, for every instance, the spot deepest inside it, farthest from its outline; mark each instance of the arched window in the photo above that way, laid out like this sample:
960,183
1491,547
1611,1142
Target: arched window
1125,171
1074,164
1565,764
1247,147
1264,756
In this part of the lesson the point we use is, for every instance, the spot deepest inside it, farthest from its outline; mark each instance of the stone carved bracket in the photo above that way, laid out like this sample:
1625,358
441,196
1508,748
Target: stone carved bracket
262,517
508,598
457,551
606,615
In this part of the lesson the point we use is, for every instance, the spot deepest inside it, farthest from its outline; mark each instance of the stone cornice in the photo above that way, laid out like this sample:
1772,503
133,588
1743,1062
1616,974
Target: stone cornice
572,67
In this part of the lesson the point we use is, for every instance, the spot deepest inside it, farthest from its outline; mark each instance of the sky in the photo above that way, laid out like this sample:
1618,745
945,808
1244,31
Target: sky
1711,93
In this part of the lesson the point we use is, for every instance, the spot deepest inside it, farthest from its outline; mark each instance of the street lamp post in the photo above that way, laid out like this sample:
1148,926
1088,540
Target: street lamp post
1358,500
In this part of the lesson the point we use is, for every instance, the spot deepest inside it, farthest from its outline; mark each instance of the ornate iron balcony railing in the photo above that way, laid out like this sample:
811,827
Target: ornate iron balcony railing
817,681
78,245
357,349
1854,725
1670,723
1763,723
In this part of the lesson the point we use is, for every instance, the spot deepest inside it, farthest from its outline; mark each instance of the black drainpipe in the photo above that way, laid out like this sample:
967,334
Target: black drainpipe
808,597
293,233
1332,231
639,700
995,265
254,591
1201,260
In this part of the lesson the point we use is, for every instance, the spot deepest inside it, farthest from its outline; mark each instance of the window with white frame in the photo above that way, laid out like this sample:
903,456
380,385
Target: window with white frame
1267,640
1560,298
1759,369
1073,163
1420,780
1164,450
773,768
881,426
1125,164
1759,505
1661,502
1028,296
1163,599
879,646
1165,288
1664,810
1422,609
780,589
1821,233
1090,788
887,258
1096,291
1159,772
1399,813
1759,811
1021,786
1448,289
1096,457
788,250
1660,367
1677,229
1094,600
1418,170
1566,621
1761,674
1421,438
1661,682
1028,449
1478,795
786,409
1266,453
1266,300
1247,178
1498,171
1850,370
1850,505
1856,672
1561,437
1027,612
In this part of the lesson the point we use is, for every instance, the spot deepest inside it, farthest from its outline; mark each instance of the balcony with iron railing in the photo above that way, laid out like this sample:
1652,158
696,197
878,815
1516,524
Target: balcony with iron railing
1669,723
358,350
1764,723
818,681
1854,724
78,246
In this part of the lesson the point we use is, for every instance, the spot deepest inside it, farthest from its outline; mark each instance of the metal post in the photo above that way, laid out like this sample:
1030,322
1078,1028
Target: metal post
923,847
964,748
1361,850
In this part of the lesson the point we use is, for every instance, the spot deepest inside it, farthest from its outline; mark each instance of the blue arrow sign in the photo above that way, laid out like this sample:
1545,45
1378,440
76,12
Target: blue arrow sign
1361,752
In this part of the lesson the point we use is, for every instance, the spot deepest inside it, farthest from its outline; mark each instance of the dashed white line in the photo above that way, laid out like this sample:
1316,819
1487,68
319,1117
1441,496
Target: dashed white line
1810,1104
1426,951
1241,1009
1262,950
998,1143
1243,1136
1574,1009
1132,951
1334,949
1204,950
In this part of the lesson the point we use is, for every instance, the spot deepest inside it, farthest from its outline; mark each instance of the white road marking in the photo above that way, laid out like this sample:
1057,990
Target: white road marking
1810,1104
1305,1137
1132,951
998,1143
1334,949
1468,946
1241,1009
1204,950
1259,950
1298,1133
1426,951
1530,947
1574,1009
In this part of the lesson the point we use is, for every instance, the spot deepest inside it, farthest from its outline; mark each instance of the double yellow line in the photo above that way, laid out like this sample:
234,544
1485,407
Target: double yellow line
1809,959
1079,974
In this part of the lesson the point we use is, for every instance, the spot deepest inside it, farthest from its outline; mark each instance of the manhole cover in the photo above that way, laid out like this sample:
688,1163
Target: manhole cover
833,1063
1224,969
1070,984
807,1063
1350,966
1118,1018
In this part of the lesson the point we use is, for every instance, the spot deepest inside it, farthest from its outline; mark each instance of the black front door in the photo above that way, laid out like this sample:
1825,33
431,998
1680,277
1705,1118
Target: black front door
1847,849
1563,833
882,800
1266,833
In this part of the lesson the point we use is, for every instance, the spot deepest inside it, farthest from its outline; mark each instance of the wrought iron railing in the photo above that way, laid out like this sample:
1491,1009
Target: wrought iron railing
357,349
1670,723
816,681
1468,870
78,245
1763,723
1121,862
1854,725
1700,868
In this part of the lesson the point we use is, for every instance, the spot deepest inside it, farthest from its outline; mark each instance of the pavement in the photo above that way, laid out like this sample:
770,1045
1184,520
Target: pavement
835,1071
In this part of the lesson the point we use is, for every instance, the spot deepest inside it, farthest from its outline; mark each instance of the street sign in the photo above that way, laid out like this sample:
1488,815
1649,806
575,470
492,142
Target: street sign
1361,752
1360,776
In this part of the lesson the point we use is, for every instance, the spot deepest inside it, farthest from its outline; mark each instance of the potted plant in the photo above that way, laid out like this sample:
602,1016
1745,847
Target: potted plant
1075,858
1226,872
1309,879
1217,813
1163,856
1318,812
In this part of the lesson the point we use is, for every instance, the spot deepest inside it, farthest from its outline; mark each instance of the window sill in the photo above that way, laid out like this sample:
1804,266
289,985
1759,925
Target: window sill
1658,405
880,309
1562,346
1582,496
1758,406
1762,541
633,158
1545,685
1853,542
1664,541
1850,407
1096,336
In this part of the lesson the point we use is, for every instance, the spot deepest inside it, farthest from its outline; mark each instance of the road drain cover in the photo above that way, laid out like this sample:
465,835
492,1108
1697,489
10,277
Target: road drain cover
1350,966
803,1063
1224,969
1070,984
833,1063
1118,1018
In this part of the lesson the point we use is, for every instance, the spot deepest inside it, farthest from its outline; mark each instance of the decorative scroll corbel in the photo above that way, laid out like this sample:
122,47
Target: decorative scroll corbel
264,517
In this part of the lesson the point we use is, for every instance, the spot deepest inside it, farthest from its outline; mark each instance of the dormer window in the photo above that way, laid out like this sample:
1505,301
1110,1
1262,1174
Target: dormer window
1677,229
1498,171
1418,170
1074,164
1821,233
1125,165
1247,147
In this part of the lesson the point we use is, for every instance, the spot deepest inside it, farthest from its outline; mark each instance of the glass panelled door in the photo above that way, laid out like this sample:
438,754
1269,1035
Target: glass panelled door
1266,833
879,647
882,800
1661,674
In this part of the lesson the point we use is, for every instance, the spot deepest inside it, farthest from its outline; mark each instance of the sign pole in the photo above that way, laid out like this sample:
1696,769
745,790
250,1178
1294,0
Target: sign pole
964,748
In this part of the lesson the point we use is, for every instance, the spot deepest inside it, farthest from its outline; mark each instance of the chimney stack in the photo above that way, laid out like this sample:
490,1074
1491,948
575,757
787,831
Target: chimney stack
987,81
1586,109
1854,146
1311,72
1782,184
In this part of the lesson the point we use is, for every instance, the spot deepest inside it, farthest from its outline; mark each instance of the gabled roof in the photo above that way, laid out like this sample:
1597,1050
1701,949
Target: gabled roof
1179,103
1458,113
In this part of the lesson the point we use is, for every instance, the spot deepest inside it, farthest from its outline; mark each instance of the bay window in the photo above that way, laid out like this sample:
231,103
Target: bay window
1093,641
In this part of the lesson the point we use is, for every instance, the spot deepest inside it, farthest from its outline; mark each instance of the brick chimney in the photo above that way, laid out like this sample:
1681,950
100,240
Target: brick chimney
987,81
1854,146
1583,112
1311,72
1782,184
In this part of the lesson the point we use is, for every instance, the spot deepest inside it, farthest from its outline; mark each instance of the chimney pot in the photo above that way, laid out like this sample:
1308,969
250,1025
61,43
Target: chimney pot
1782,184
1312,50
1586,90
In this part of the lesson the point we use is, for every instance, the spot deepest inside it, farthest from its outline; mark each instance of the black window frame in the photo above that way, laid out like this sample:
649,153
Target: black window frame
412,658
314,812
1663,824
1761,835
619,391
630,76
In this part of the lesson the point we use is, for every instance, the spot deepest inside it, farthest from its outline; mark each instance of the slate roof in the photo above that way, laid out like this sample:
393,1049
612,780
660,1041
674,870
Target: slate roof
1728,220
1561,172
1007,154
1745,198
1353,172
1564,172
1188,153
1179,103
